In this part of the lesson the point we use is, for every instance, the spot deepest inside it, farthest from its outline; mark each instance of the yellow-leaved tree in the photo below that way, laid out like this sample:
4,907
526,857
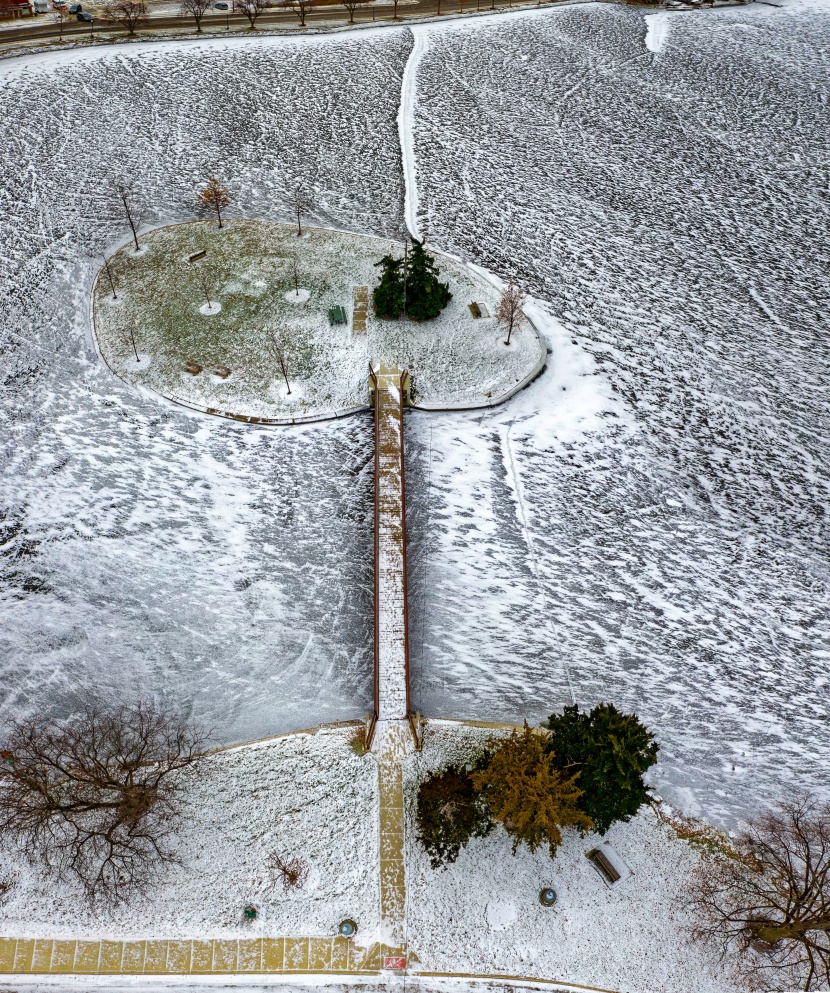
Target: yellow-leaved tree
523,790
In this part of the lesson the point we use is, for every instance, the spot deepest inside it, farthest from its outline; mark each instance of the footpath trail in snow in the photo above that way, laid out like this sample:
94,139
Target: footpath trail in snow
657,30
406,123
672,210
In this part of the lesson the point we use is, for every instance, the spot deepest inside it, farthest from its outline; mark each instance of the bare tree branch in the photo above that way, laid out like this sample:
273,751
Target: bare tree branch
351,6
301,202
124,192
509,312
128,13
301,8
770,897
98,798
252,9
195,9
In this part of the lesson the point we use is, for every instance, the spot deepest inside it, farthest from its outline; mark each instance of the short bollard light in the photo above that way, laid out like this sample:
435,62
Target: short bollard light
348,928
547,896
249,913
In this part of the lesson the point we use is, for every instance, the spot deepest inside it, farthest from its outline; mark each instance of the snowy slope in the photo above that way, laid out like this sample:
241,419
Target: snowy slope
145,550
673,208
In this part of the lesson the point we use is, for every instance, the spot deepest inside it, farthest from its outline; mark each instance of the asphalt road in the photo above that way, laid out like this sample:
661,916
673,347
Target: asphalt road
216,23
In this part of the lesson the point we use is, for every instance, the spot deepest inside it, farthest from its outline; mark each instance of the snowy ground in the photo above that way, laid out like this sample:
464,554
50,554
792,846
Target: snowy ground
673,208
306,796
666,548
260,288
482,913
146,550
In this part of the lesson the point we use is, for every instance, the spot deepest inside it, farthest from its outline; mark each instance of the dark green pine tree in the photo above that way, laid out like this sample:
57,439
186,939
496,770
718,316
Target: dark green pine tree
426,297
388,294
450,812
610,751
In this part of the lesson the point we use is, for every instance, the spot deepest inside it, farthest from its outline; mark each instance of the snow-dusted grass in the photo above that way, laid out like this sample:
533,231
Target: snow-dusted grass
147,551
672,208
249,275
482,913
305,795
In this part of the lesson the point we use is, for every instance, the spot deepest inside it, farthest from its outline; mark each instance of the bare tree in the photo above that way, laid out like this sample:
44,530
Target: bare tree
130,14
110,277
60,16
195,9
207,280
216,196
293,871
252,9
301,8
98,797
351,6
509,311
280,354
301,202
768,895
124,192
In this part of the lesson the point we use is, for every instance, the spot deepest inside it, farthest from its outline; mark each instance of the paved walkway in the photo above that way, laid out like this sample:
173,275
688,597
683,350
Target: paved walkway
391,636
360,309
252,955
393,741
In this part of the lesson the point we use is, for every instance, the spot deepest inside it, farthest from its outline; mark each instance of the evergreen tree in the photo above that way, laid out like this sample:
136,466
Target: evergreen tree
388,294
610,751
450,813
426,297
522,788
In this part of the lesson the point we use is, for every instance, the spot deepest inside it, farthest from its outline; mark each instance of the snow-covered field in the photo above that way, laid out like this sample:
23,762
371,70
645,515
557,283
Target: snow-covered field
146,550
305,796
652,533
672,207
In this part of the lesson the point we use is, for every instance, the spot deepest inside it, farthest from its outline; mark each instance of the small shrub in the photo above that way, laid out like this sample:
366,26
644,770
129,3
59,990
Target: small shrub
292,872
6,886
357,742
450,813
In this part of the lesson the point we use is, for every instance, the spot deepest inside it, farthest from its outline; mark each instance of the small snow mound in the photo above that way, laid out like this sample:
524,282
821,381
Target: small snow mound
144,362
210,308
279,392
501,915
657,30
297,296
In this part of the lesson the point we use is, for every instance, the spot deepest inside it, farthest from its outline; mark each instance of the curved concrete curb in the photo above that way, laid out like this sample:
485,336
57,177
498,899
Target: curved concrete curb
556,984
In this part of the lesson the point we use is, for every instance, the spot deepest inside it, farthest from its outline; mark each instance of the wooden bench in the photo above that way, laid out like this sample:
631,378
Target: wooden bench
196,256
603,864
193,368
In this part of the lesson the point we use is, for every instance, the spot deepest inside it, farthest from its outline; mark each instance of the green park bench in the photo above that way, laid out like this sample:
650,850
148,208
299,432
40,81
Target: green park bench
337,315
